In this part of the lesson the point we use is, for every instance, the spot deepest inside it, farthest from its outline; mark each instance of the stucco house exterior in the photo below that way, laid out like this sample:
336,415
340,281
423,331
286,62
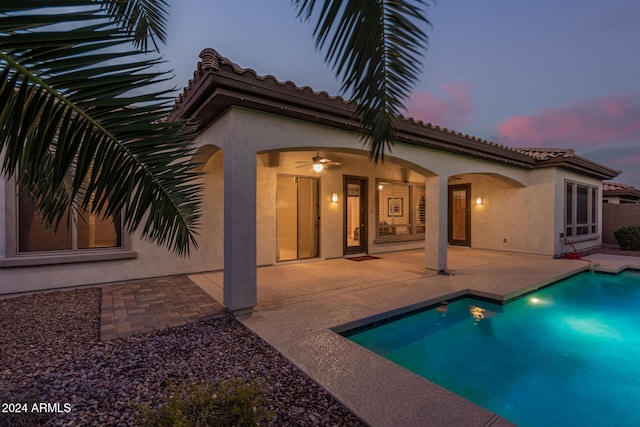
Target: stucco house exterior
287,178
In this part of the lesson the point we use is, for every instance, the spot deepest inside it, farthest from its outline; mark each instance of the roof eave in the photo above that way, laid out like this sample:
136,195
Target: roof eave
219,85
425,135
216,93
580,166
224,89
633,194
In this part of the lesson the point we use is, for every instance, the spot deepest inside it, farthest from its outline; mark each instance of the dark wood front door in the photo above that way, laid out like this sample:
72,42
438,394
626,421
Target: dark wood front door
460,215
355,216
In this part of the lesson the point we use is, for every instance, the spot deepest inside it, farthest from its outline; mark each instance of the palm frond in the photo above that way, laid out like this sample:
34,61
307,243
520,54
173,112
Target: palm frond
375,48
143,19
81,122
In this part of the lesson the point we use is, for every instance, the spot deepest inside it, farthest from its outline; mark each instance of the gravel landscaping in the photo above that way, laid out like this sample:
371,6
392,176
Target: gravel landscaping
610,250
50,352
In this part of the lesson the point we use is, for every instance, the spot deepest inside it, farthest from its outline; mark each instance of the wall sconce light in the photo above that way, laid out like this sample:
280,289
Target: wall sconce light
478,200
334,197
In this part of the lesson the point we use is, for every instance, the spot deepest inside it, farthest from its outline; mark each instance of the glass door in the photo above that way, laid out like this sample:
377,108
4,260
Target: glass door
297,218
460,215
355,216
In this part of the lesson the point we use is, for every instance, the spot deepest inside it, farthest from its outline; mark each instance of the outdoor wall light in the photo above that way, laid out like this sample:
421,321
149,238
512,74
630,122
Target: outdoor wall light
334,197
478,200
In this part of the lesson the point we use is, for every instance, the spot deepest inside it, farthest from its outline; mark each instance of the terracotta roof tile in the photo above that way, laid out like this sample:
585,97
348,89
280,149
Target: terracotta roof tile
551,153
616,186
546,153
438,128
626,192
212,61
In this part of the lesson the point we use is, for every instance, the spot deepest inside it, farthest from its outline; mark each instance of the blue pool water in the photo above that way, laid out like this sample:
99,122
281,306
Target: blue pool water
566,355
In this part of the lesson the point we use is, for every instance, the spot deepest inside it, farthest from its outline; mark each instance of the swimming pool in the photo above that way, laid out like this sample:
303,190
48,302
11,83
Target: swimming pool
566,355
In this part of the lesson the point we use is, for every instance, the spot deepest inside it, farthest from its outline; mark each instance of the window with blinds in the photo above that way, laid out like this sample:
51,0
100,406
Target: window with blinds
79,230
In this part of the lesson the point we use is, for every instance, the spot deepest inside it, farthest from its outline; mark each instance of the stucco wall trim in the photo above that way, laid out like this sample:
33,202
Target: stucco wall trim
35,260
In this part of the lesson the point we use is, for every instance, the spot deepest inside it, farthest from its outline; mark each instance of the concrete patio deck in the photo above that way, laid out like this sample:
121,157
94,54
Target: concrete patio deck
301,305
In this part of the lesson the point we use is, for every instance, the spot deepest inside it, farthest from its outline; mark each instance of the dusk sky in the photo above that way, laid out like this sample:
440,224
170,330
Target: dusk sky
549,73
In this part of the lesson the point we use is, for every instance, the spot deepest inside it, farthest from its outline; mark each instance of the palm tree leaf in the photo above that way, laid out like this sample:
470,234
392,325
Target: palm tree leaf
375,48
145,20
82,126
142,20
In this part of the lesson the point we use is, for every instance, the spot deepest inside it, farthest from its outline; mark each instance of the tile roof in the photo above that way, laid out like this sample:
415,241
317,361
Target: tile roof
615,188
244,86
211,60
428,125
547,153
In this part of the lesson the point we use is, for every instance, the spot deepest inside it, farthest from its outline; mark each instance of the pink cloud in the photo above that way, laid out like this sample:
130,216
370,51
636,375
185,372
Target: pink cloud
450,112
588,124
628,160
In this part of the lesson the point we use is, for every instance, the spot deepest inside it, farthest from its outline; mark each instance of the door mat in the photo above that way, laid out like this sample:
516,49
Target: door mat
363,258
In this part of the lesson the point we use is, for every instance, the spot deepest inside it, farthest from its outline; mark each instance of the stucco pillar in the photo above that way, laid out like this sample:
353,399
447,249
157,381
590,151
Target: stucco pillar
240,283
435,245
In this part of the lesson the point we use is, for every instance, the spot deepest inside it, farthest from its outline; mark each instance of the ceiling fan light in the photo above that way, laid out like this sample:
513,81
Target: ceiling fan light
318,167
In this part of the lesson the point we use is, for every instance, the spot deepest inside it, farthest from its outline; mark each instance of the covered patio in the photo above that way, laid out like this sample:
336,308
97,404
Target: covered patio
286,177
302,305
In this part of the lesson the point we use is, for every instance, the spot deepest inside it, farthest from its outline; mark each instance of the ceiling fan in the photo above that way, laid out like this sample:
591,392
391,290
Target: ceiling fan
319,162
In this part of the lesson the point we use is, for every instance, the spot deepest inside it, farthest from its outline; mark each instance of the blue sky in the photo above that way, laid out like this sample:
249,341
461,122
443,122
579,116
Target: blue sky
547,73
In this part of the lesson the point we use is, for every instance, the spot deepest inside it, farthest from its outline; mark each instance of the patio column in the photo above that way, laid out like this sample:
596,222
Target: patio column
435,245
240,283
